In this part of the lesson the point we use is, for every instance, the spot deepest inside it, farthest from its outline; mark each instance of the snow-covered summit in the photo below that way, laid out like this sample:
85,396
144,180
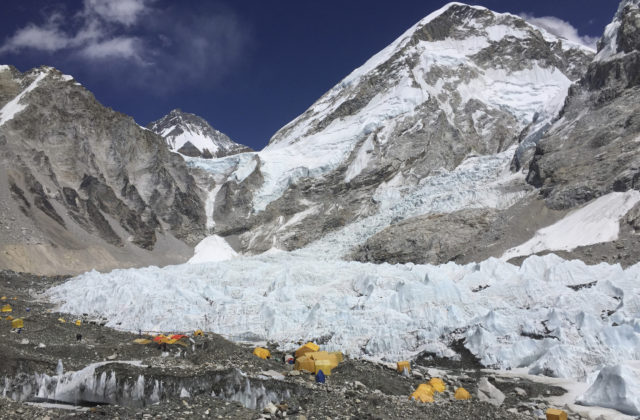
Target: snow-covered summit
463,81
191,135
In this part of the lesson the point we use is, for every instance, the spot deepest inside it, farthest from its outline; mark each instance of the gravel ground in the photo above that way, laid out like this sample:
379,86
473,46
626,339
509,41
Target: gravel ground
356,389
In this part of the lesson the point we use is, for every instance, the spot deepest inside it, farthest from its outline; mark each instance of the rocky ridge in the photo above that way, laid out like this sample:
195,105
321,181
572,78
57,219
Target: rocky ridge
594,148
85,187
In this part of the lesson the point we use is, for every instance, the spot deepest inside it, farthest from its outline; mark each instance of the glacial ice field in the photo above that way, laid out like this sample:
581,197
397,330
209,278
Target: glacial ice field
556,317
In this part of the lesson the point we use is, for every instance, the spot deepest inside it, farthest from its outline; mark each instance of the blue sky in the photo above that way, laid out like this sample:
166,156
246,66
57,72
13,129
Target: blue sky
247,66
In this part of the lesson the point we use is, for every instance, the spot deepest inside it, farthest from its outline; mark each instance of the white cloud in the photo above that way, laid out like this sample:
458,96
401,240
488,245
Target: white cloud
96,37
175,45
125,12
561,28
122,47
40,38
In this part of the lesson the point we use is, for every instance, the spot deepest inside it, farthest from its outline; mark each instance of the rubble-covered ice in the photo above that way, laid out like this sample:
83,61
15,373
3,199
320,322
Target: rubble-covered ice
556,317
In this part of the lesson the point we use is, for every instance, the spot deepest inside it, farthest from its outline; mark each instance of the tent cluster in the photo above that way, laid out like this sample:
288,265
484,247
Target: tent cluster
425,392
309,358
162,339
7,309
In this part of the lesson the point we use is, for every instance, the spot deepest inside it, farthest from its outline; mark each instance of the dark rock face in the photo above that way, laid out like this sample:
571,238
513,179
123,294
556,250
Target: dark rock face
87,167
594,148
190,150
428,239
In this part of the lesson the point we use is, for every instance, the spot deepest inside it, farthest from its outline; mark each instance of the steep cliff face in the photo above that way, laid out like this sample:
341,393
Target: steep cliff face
594,148
78,178
462,82
192,136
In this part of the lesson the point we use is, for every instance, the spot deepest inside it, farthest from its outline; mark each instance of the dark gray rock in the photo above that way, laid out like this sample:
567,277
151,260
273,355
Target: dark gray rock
594,148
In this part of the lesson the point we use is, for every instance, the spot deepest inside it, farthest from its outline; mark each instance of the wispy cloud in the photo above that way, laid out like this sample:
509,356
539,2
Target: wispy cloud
174,46
122,47
562,29
125,12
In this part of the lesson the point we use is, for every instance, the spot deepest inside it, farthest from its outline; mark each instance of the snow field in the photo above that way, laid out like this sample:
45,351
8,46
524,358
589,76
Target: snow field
211,249
616,387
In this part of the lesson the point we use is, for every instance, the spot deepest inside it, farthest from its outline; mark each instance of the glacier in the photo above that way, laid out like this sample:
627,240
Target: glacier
556,317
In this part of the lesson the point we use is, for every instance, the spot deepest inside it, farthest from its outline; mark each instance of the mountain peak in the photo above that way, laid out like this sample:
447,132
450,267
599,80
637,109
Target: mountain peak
622,35
191,135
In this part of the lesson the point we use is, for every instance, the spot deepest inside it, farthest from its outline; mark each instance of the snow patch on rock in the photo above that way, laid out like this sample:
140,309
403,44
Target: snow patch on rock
15,106
596,222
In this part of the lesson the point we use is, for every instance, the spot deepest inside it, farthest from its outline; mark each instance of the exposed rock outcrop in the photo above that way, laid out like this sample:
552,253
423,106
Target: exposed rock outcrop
594,148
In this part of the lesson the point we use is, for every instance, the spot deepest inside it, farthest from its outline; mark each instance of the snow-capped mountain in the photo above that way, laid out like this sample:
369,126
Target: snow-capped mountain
463,82
192,136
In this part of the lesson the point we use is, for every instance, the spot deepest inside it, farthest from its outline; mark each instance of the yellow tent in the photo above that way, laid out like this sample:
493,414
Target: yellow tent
462,394
307,348
305,363
9,318
6,308
142,341
338,355
437,384
61,320
262,352
17,323
400,366
78,322
3,298
333,358
555,414
424,393
198,333
324,365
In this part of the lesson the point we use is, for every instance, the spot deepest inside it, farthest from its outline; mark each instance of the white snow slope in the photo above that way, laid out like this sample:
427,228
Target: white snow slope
211,249
15,106
616,387
596,222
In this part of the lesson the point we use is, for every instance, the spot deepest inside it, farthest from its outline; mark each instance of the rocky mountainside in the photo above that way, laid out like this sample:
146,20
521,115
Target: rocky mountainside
594,148
192,136
83,186
462,82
